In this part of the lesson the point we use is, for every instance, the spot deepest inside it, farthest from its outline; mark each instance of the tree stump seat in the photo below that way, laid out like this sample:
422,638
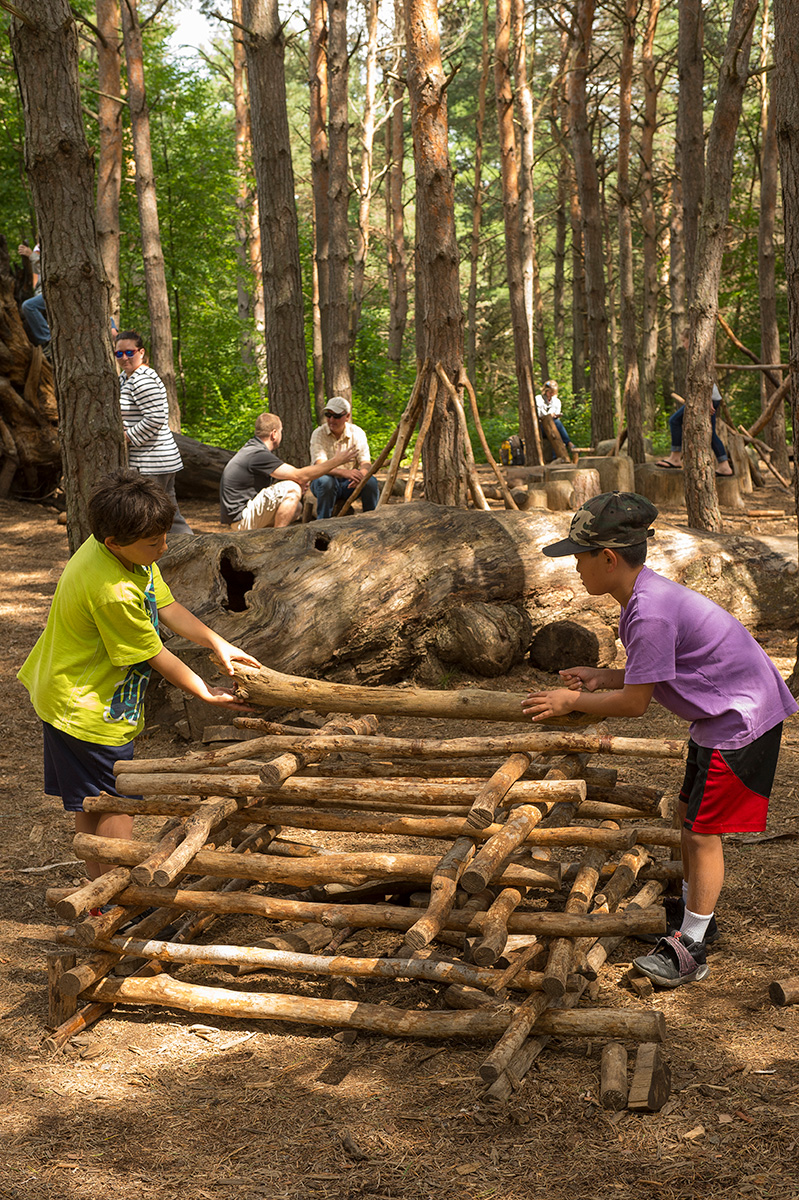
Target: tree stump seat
666,487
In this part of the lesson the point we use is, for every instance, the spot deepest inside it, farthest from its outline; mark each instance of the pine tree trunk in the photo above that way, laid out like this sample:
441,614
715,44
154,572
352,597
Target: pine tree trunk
289,394
477,204
338,350
397,265
365,188
161,351
439,314
320,181
774,433
690,124
651,283
109,158
700,492
61,173
678,301
588,186
786,96
526,124
513,246
632,392
245,281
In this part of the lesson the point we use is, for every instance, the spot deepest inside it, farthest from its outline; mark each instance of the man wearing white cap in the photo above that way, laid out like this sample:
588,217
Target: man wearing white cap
327,441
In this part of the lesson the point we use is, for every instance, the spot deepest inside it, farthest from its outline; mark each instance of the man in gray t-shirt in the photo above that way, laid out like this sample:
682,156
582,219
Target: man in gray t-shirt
700,663
260,491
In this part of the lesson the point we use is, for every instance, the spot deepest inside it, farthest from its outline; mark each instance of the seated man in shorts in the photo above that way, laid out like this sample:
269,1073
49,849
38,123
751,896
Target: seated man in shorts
699,662
260,491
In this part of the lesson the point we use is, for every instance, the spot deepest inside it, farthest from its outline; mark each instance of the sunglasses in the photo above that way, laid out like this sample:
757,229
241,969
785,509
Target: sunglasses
127,353
335,416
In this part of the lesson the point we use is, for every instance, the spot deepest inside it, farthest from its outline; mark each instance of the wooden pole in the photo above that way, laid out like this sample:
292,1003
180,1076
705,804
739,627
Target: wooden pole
404,431
468,454
534,742
478,424
389,916
443,887
299,872
272,688
163,990
493,792
424,427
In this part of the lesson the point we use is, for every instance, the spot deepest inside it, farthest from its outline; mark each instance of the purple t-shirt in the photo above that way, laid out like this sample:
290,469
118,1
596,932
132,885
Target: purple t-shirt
705,666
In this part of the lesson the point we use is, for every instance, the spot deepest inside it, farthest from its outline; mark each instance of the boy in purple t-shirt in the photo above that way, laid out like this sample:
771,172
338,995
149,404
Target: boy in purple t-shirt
700,663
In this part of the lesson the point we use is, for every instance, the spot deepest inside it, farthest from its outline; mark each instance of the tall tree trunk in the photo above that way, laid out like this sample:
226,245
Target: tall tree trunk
526,123
632,393
786,97
320,179
513,248
44,42
649,306
700,492
690,124
395,135
610,243
286,364
152,252
109,158
437,274
678,300
365,187
559,266
588,186
338,352
247,284
774,433
477,204
581,381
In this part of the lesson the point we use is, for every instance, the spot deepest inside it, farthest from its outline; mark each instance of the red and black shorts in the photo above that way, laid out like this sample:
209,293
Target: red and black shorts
727,791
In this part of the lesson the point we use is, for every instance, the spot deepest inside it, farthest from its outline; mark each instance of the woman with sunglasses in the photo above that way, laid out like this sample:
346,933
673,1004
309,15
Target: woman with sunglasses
152,450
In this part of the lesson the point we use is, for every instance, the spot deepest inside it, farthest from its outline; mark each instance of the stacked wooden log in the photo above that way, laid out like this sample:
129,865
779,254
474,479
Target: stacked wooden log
504,887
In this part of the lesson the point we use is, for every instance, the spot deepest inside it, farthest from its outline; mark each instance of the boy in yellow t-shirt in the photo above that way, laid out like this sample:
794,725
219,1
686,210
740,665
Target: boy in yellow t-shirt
88,672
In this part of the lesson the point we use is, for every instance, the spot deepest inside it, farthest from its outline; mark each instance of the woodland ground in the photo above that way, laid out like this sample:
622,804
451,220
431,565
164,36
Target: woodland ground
158,1104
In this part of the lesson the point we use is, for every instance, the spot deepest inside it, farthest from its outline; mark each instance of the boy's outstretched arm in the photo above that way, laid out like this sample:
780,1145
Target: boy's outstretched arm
631,700
177,673
185,624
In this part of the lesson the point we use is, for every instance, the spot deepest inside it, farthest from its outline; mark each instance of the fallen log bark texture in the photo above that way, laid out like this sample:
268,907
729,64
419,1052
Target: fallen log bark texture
474,591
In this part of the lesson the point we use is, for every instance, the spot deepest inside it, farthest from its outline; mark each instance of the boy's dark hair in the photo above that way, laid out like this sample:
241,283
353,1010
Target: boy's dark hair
633,556
127,506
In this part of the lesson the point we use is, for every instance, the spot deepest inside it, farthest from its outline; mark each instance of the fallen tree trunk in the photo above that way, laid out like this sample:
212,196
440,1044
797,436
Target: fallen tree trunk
202,469
472,590
30,455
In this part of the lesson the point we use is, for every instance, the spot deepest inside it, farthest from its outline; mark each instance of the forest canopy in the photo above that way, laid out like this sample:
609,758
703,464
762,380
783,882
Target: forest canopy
206,195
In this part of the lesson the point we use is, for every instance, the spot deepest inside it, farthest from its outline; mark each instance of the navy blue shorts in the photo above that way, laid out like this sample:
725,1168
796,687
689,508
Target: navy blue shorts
74,769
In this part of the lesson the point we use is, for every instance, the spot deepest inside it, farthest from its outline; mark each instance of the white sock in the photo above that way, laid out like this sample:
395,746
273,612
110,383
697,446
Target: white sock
685,891
694,925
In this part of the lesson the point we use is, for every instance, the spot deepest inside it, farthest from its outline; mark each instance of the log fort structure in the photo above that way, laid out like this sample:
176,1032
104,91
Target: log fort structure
508,877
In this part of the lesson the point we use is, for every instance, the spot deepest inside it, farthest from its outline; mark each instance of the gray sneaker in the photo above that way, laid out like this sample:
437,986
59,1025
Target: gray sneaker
676,960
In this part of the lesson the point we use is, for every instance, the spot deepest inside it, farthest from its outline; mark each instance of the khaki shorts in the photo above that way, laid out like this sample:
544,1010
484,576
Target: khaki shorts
260,511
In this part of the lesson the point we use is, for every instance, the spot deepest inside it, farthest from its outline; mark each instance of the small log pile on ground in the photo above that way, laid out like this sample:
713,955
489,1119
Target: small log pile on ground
513,869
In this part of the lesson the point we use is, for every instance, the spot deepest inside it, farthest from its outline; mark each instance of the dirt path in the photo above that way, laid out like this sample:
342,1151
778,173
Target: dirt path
161,1105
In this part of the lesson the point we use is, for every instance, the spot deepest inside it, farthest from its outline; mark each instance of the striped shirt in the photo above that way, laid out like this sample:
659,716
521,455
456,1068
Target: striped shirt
152,450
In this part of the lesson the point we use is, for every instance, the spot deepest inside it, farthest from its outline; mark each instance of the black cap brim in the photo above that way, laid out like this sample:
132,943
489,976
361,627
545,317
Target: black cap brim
567,546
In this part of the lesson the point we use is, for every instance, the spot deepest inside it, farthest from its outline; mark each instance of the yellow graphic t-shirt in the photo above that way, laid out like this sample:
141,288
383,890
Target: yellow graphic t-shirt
88,671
